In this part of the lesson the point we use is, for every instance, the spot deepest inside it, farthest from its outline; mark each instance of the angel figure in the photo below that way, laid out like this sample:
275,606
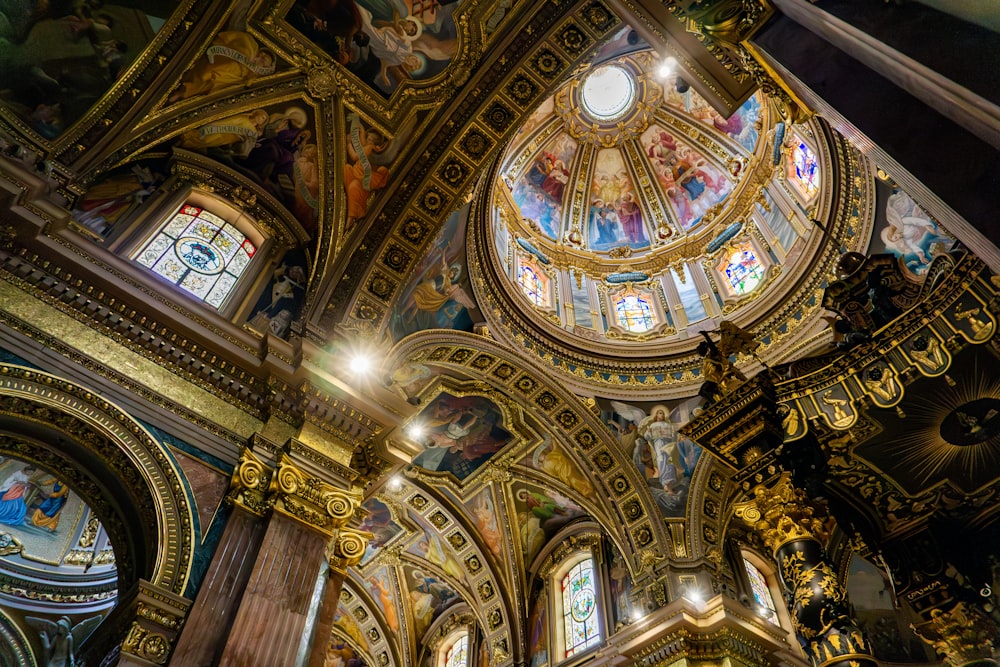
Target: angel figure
721,375
370,152
659,454
60,639
549,458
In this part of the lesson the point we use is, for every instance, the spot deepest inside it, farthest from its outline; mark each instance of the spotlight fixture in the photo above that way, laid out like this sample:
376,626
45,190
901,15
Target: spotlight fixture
681,86
694,596
415,431
395,483
667,67
360,364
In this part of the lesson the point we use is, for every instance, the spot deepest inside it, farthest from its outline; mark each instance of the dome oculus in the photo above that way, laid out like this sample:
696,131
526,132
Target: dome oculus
608,93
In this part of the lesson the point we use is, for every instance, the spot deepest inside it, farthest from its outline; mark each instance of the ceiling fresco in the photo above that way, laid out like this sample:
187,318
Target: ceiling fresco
518,407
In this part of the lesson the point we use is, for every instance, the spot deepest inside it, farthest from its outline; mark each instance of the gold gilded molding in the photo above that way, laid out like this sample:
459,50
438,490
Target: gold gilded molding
960,634
780,514
347,549
25,307
289,490
159,616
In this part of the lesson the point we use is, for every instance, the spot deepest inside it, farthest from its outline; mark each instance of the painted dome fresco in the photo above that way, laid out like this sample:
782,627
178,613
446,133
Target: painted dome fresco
628,216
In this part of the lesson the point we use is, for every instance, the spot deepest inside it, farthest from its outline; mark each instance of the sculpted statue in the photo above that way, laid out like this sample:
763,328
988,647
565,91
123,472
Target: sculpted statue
60,639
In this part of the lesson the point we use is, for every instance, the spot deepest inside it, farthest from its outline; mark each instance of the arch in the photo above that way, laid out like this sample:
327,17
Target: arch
121,471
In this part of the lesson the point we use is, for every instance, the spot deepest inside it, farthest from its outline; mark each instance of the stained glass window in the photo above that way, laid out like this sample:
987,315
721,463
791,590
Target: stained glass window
458,653
761,592
579,608
634,313
743,270
199,252
804,170
534,285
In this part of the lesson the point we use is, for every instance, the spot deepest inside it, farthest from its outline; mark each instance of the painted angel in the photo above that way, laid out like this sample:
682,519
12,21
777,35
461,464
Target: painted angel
658,453
60,639
549,458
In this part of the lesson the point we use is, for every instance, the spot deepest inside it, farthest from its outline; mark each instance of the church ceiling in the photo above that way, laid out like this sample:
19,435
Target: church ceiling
369,146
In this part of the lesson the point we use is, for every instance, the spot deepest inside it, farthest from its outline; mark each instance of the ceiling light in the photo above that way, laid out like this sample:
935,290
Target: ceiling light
695,596
360,364
395,483
415,431
667,67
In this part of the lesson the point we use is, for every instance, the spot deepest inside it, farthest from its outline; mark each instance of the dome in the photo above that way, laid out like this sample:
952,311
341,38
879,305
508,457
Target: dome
628,216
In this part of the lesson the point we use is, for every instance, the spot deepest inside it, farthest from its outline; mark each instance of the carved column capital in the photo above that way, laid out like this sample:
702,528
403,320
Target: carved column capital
962,635
311,500
780,513
347,549
159,615
288,489
249,484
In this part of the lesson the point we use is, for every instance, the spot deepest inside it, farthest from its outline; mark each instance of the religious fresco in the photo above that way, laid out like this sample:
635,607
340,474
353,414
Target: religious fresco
429,596
874,610
539,192
538,640
483,511
281,302
381,587
440,296
370,153
429,546
741,125
615,217
540,514
234,58
339,654
37,511
905,230
460,434
58,58
384,43
553,460
378,521
665,458
620,583
112,201
345,623
274,146
691,183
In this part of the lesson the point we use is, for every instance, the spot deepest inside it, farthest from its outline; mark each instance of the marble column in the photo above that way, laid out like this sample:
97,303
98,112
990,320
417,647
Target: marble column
346,550
204,633
306,515
788,523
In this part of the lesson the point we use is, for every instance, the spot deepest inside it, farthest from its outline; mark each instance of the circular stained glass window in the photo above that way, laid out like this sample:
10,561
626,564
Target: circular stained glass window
583,604
199,255
608,93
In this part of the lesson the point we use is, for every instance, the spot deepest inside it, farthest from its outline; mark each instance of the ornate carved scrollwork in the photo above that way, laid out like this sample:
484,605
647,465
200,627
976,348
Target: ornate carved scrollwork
790,526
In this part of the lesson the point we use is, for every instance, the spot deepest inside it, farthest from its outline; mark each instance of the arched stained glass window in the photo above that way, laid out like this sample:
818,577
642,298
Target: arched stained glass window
761,592
634,313
579,608
199,252
458,653
804,170
533,285
743,270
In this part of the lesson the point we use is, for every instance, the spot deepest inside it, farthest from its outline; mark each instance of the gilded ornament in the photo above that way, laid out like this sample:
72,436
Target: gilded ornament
321,82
